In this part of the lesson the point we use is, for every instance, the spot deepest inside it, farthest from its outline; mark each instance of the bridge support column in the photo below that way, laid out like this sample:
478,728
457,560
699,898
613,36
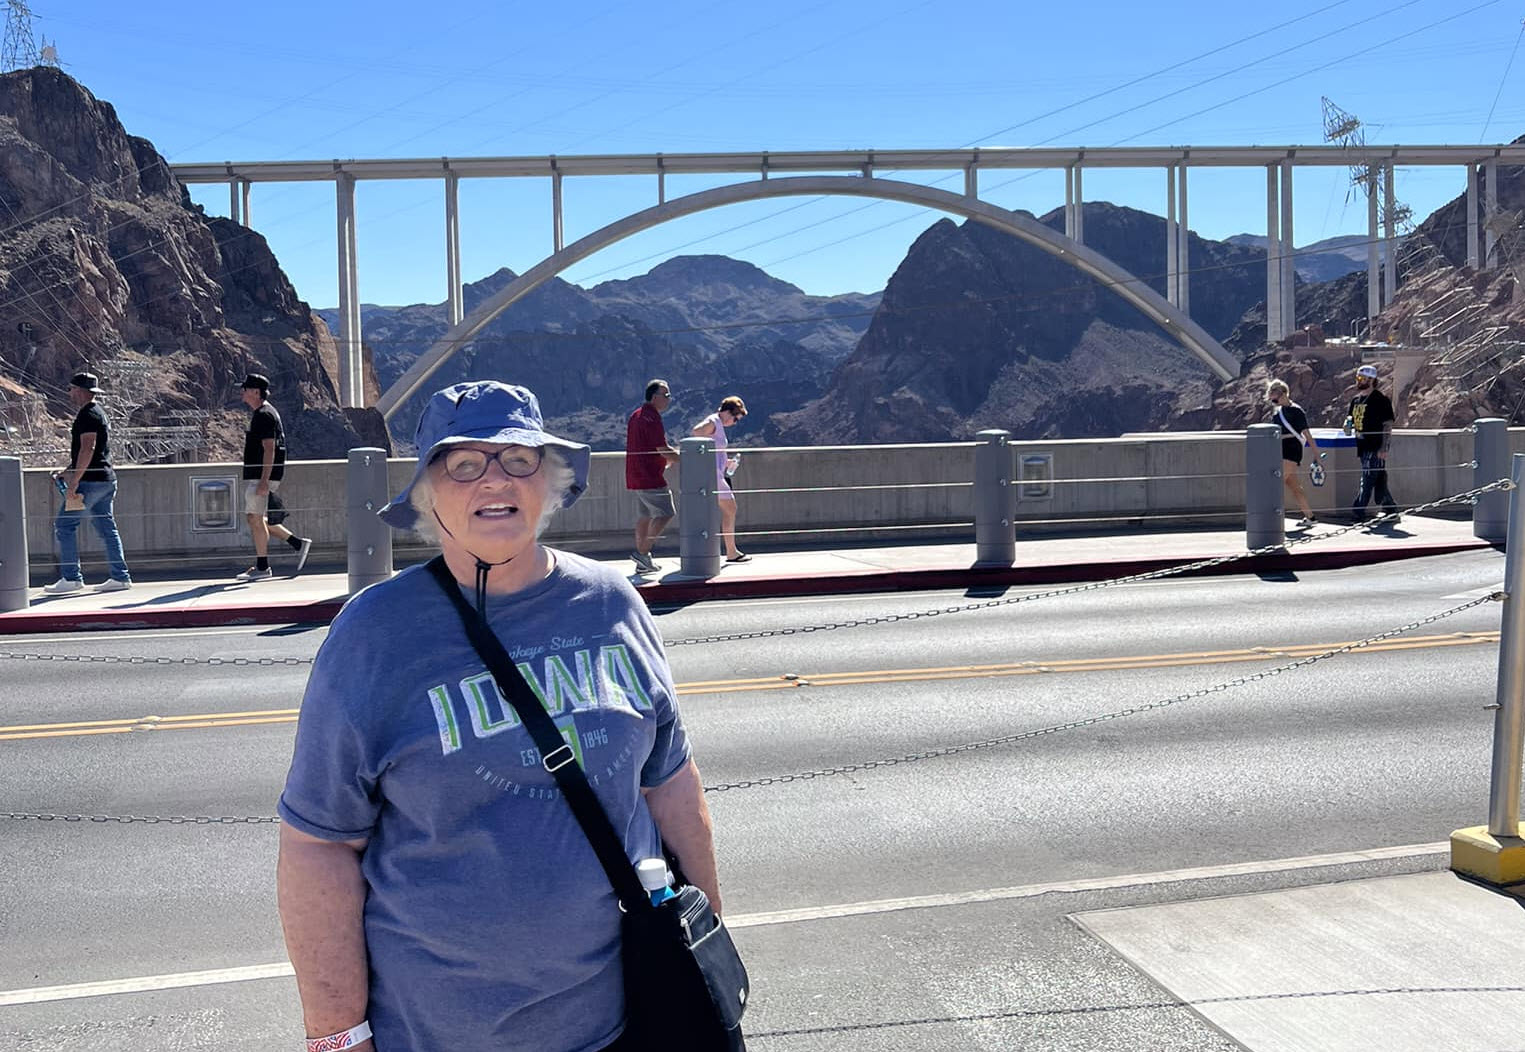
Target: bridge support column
1274,330
1373,267
454,294
1183,253
1080,205
243,194
1172,240
1472,227
556,208
1490,213
1069,202
351,387
698,510
995,500
13,551
1389,241
1288,255
370,539
1265,521
1490,459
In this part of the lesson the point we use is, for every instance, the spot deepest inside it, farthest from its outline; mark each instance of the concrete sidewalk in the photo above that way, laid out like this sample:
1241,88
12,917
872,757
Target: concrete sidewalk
214,598
1407,964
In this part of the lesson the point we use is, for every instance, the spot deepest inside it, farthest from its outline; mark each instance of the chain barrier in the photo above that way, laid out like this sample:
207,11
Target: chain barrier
1092,586
1091,721
862,622
869,765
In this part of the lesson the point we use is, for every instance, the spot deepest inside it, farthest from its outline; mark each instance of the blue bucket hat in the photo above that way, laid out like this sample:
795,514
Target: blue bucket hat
483,411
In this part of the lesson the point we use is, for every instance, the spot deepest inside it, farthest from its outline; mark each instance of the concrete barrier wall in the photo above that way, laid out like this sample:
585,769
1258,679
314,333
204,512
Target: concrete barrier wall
795,496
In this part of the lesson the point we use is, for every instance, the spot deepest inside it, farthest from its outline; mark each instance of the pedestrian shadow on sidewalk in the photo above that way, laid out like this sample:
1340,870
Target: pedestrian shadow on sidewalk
177,597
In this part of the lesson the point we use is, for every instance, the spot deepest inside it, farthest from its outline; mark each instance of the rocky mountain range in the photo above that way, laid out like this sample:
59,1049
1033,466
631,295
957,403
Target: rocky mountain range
712,326
979,329
105,264
1325,260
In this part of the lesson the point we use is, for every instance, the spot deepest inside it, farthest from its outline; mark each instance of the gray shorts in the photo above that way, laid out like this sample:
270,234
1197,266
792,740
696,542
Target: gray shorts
254,503
655,503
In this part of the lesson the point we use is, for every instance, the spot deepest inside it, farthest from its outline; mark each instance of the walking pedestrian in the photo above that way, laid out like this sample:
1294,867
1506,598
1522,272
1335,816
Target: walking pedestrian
88,487
731,410
1294,435
264,468
647,454
1371,419
435,888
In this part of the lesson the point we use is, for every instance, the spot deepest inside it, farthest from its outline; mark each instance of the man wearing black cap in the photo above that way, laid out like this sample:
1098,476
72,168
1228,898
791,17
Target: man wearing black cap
88,487
264,468
1371,419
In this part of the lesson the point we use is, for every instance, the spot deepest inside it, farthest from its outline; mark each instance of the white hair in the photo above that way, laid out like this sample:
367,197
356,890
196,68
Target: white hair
559,479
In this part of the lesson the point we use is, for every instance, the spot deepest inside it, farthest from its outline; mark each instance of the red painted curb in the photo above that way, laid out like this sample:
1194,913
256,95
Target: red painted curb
662,593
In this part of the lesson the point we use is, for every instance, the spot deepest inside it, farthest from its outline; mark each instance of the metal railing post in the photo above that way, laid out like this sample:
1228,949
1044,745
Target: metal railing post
369,539
13,552
698,511
1509,716
1265,520
1490,458
995,501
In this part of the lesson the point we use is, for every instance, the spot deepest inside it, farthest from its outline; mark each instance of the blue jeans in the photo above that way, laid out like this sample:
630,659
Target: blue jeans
1374,484
98,500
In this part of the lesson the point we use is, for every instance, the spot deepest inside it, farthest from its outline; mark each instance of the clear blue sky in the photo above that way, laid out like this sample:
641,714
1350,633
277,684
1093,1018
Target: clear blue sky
281,80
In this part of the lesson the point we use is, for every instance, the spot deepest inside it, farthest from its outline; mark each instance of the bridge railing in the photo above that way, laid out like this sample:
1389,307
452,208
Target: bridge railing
190,515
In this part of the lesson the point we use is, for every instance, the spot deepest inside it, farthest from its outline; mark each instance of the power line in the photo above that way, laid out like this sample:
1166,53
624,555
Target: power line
1503,80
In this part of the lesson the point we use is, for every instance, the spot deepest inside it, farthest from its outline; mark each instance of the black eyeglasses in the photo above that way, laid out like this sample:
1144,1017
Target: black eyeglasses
468,465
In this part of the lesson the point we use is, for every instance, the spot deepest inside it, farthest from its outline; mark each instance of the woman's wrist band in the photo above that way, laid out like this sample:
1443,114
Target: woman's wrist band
343,1039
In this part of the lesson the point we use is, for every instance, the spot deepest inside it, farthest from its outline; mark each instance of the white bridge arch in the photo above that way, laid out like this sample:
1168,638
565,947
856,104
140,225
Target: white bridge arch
1154,306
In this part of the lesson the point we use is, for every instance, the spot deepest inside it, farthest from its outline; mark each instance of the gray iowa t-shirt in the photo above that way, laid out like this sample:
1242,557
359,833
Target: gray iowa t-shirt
489,924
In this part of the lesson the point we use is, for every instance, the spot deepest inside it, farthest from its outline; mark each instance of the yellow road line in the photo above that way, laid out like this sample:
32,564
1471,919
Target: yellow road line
204,720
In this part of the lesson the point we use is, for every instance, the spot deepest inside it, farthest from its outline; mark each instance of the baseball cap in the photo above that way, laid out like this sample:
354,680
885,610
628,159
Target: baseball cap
1367,370
86,381
483,411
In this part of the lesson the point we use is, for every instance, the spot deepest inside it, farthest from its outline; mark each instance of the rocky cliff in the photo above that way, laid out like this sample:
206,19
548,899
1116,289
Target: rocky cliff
977,329
711,325
105,261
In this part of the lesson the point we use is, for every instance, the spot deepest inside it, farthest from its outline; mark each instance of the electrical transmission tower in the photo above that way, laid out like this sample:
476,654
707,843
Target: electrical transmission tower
19,50
1345,129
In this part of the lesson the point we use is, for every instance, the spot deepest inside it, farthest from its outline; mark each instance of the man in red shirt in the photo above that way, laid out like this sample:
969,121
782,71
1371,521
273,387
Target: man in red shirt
647,454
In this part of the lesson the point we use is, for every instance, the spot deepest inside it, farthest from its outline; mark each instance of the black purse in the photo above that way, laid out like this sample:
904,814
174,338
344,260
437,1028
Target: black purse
685,985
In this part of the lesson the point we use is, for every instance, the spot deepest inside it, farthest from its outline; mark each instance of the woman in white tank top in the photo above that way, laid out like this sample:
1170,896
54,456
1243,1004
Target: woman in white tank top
731,410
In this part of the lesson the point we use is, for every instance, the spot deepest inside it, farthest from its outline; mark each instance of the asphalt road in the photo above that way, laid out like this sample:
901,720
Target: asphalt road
1373,749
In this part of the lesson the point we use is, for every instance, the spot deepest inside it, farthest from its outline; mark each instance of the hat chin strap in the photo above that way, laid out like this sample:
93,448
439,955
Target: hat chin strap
483,567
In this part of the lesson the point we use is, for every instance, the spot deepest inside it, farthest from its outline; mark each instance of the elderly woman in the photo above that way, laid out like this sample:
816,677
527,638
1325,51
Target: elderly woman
435,889
731,410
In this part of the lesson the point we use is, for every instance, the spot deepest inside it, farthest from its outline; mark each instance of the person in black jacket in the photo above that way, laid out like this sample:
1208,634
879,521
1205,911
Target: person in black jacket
1371,419
88,487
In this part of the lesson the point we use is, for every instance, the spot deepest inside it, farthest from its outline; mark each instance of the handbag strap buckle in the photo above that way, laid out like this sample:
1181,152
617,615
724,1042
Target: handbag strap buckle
554,761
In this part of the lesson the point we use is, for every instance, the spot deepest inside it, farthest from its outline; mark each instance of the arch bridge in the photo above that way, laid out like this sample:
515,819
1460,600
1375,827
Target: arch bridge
1171,311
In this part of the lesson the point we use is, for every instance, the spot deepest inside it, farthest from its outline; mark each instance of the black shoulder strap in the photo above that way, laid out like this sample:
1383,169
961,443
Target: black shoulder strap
556,756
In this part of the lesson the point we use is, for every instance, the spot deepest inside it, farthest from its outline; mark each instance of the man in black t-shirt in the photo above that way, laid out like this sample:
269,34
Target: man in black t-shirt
88,487
1371,418
264,468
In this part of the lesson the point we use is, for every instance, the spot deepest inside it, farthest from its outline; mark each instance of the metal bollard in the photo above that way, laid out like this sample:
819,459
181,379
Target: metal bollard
1265,520
699,513
1490,457
995,501
13,553
1509,716
369,539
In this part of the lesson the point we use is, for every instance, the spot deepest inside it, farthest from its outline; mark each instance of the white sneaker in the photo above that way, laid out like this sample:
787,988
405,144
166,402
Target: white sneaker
111,584
64,586
254,573
303,552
